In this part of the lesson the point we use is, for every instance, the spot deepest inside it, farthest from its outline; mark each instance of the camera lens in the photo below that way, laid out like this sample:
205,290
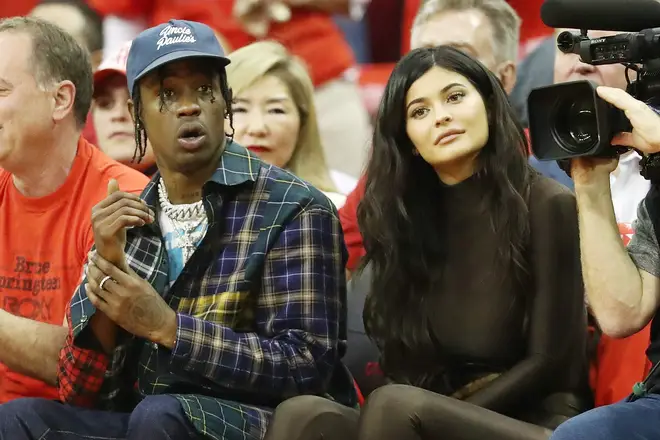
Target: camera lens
576,126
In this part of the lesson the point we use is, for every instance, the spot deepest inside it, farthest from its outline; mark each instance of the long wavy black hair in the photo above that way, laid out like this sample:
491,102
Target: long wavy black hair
401,235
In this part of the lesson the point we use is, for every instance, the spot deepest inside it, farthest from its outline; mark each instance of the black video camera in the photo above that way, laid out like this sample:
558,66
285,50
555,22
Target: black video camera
570,120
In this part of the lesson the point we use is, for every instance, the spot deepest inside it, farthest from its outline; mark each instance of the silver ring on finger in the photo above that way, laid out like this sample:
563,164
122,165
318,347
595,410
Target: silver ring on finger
104,280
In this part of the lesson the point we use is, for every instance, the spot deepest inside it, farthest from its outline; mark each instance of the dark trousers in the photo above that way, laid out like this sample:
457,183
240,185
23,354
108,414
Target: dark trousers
396,412
155,418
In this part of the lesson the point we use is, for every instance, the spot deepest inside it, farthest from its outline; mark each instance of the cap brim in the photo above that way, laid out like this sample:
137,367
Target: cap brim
102,74
180,55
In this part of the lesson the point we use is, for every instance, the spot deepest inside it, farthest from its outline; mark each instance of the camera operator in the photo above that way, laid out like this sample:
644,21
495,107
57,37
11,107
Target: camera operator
623,286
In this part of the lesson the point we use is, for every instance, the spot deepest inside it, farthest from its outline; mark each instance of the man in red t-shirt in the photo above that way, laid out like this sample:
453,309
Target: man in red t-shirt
50,178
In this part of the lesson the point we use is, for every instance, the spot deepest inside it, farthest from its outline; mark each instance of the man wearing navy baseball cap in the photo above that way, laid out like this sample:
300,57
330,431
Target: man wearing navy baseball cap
211,298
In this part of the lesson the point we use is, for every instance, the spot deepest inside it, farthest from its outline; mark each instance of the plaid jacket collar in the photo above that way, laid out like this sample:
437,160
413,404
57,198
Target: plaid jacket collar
237,166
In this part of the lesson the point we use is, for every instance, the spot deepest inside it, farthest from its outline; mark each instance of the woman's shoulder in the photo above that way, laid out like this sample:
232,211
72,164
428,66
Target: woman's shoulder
546,189
550,201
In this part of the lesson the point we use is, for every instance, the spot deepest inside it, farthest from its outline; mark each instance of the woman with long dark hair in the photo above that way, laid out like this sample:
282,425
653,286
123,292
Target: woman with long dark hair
476,299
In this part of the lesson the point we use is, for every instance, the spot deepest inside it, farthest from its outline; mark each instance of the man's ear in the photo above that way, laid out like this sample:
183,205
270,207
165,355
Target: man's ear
506,72
64,97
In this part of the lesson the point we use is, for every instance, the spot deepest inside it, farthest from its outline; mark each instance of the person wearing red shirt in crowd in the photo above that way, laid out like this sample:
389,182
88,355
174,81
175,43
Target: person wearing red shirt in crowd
50,178
309,33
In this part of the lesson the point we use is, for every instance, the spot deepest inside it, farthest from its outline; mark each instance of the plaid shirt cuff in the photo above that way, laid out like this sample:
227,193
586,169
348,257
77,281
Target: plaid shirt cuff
192,336
81,374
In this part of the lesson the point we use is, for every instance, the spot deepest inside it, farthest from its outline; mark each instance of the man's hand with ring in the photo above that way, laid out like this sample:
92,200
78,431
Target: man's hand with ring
130,301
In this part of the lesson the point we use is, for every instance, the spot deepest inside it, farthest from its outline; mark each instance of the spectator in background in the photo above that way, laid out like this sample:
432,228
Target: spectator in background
275,115
114,126
78,19
84,25
50,178
485,29
309,33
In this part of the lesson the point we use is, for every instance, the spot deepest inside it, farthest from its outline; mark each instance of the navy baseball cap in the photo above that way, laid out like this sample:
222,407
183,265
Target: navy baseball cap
171,41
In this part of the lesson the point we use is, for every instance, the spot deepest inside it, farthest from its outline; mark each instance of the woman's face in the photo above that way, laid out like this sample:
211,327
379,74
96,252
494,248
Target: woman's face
447,122
266,120
113,124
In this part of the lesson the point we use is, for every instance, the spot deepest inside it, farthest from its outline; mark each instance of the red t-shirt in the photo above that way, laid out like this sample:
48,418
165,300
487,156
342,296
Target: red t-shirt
44,244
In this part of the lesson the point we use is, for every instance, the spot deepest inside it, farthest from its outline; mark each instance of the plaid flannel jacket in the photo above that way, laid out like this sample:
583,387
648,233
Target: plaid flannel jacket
260,308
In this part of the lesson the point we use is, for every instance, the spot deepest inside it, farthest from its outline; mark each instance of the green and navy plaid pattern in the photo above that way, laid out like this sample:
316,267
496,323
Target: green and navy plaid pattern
260,306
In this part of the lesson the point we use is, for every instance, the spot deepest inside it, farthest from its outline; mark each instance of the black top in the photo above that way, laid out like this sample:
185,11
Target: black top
484,321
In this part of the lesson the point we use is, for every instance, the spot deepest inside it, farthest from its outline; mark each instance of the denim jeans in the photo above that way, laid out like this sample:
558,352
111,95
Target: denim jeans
155,418
639,420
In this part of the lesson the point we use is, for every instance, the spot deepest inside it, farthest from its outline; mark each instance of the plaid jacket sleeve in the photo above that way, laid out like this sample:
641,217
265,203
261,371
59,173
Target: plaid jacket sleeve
85,374
298,318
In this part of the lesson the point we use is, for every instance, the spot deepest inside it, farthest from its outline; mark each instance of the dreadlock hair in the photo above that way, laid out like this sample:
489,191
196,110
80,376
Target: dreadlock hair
141,132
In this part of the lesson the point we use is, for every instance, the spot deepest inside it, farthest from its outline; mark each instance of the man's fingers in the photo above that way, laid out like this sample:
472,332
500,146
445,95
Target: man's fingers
623,139
96,300
107,216
115,197
94,273
618,98
108,268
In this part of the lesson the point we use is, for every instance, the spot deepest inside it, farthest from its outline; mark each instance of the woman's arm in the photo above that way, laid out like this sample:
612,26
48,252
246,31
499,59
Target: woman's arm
557,314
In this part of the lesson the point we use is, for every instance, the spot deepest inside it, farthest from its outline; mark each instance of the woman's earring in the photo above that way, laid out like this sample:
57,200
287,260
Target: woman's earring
415,152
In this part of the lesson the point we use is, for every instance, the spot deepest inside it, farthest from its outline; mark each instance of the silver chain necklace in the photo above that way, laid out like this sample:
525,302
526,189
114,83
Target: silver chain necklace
181,212
186,218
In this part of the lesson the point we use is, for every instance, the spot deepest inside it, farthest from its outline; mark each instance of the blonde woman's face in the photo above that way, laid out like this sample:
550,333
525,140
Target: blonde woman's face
266,120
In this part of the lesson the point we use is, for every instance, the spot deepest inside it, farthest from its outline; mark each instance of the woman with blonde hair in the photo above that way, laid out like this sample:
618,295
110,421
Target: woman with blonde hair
274,115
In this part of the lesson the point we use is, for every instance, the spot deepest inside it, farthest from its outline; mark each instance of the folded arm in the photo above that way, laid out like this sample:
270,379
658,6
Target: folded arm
31,347
557,316
86,374
298,315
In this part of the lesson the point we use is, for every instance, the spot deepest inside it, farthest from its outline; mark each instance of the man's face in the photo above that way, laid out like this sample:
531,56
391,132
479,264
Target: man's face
470,31
65,16
183,112
25,107
568,67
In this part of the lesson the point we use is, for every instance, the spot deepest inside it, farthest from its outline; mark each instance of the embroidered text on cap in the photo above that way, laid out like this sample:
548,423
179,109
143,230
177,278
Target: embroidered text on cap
175,34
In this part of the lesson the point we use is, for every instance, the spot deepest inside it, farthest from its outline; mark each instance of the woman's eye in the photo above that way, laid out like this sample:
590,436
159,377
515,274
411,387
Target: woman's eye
419,112
455,97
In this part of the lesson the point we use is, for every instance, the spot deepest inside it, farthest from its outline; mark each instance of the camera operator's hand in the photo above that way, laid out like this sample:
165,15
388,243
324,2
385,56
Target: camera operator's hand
645,122
592,170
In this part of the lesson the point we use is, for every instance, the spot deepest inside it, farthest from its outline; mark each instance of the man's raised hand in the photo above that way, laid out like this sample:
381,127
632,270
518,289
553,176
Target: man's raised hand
110,219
